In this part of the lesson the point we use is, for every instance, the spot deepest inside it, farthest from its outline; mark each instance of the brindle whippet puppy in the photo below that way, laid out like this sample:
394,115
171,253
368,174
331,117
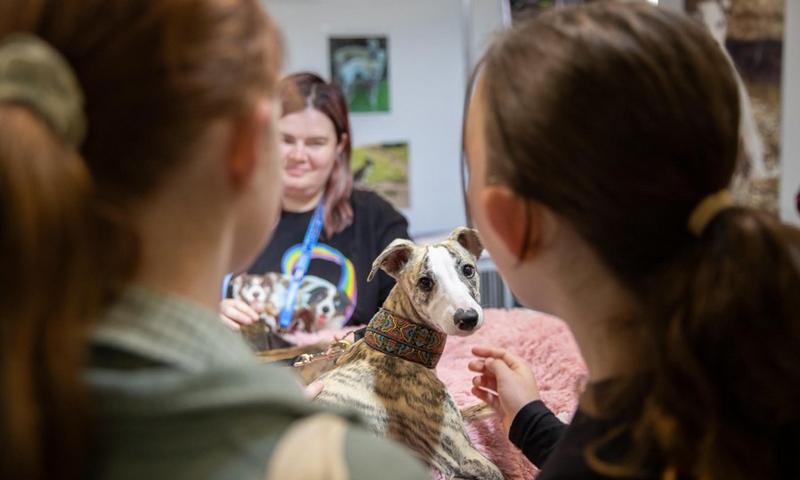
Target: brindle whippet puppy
389,375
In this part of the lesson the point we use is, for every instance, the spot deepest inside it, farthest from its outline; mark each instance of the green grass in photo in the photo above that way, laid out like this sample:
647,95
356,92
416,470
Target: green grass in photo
361,103
391,162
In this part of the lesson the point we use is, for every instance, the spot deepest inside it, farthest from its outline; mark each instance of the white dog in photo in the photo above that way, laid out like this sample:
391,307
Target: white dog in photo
361,67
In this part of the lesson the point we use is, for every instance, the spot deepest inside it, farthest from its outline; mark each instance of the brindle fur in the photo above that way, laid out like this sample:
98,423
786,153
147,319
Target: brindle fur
404,400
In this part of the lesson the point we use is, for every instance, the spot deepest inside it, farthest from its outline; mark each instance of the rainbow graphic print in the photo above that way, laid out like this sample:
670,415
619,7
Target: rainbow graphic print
347,279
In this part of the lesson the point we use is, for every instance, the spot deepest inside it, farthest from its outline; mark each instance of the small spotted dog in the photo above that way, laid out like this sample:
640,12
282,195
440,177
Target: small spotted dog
389,375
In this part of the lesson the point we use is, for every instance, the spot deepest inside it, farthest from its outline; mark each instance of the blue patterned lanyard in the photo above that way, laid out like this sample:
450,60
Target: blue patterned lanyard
301,267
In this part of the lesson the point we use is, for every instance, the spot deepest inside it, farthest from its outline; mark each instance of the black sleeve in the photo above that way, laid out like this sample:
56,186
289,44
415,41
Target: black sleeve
535,431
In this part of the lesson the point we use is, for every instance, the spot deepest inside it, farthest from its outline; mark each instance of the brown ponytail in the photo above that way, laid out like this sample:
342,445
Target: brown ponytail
48,296
155,74
726,330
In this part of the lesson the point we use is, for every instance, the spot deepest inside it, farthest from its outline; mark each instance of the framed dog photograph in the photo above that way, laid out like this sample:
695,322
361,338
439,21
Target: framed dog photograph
360,66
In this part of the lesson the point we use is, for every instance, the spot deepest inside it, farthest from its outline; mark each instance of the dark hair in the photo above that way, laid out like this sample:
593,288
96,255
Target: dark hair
155,74
621,118
307,90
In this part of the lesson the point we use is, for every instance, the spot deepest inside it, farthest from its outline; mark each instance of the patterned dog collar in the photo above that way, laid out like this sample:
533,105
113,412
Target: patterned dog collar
394,335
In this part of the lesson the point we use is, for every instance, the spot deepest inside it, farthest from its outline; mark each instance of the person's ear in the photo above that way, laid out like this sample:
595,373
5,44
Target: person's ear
249,142
517,222
342,143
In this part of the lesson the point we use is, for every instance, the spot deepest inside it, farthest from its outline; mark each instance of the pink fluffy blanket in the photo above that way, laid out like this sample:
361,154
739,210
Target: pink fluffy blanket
543,340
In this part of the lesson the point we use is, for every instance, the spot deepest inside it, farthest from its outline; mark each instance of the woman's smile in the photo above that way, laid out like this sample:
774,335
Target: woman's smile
296,171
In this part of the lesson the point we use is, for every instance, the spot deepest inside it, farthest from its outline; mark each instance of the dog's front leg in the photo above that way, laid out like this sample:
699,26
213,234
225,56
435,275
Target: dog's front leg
467,461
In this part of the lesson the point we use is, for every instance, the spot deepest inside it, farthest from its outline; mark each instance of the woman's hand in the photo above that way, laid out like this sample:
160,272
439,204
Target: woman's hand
505,382
313,389
235,313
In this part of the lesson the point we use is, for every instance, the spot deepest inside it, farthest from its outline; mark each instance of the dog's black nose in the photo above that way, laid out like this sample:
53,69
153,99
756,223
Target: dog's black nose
466,319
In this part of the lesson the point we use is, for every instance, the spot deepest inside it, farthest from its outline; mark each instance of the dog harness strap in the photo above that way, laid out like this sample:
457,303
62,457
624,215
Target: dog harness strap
301,267
394,335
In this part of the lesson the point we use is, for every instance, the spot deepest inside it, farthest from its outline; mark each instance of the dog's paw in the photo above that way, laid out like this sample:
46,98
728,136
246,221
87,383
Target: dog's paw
478,470
480,411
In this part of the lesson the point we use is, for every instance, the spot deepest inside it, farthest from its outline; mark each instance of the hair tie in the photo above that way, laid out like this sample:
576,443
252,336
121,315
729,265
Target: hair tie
709,208
36,74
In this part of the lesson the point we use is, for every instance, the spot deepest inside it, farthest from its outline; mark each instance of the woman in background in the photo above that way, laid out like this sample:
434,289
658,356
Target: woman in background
138,164
315,143
600,141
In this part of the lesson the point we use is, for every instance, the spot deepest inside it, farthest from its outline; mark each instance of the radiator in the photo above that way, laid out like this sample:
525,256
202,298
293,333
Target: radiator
494,291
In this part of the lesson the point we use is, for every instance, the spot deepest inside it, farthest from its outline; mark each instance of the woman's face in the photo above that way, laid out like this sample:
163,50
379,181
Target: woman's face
309,148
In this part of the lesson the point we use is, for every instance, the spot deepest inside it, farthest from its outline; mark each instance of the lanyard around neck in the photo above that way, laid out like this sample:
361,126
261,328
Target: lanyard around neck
301,266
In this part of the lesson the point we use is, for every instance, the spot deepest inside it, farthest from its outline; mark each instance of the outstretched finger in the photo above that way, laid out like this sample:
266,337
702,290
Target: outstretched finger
488,398
513,360
485,381
476,366
490,352
485,352
500,370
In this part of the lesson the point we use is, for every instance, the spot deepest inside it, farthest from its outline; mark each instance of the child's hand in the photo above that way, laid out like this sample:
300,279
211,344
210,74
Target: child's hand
505,382
235,313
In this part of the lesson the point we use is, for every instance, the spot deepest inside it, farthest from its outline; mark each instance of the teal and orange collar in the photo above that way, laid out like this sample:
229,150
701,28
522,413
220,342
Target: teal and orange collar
394,335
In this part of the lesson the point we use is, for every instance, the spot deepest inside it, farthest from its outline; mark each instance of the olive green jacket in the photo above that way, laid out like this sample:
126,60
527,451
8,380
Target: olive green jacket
179,396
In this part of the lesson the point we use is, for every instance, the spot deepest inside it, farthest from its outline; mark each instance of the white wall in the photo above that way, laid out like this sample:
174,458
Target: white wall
427,73
427,77
790,113
487,21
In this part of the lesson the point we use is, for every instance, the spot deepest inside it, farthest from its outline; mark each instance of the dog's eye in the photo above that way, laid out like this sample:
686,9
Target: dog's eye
425,284
468,270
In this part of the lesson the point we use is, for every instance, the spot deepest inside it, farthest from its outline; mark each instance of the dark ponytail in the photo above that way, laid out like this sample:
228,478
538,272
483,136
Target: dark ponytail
726,363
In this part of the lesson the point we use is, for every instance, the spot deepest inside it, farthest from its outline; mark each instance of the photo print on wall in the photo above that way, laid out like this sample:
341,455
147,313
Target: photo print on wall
751,31
360,66
383,168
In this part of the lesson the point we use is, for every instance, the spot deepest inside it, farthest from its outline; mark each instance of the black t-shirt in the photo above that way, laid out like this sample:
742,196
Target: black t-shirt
559,450
339,265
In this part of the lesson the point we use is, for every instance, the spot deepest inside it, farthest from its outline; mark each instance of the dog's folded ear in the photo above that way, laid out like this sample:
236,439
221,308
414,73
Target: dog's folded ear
236,284
469,239
393,258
